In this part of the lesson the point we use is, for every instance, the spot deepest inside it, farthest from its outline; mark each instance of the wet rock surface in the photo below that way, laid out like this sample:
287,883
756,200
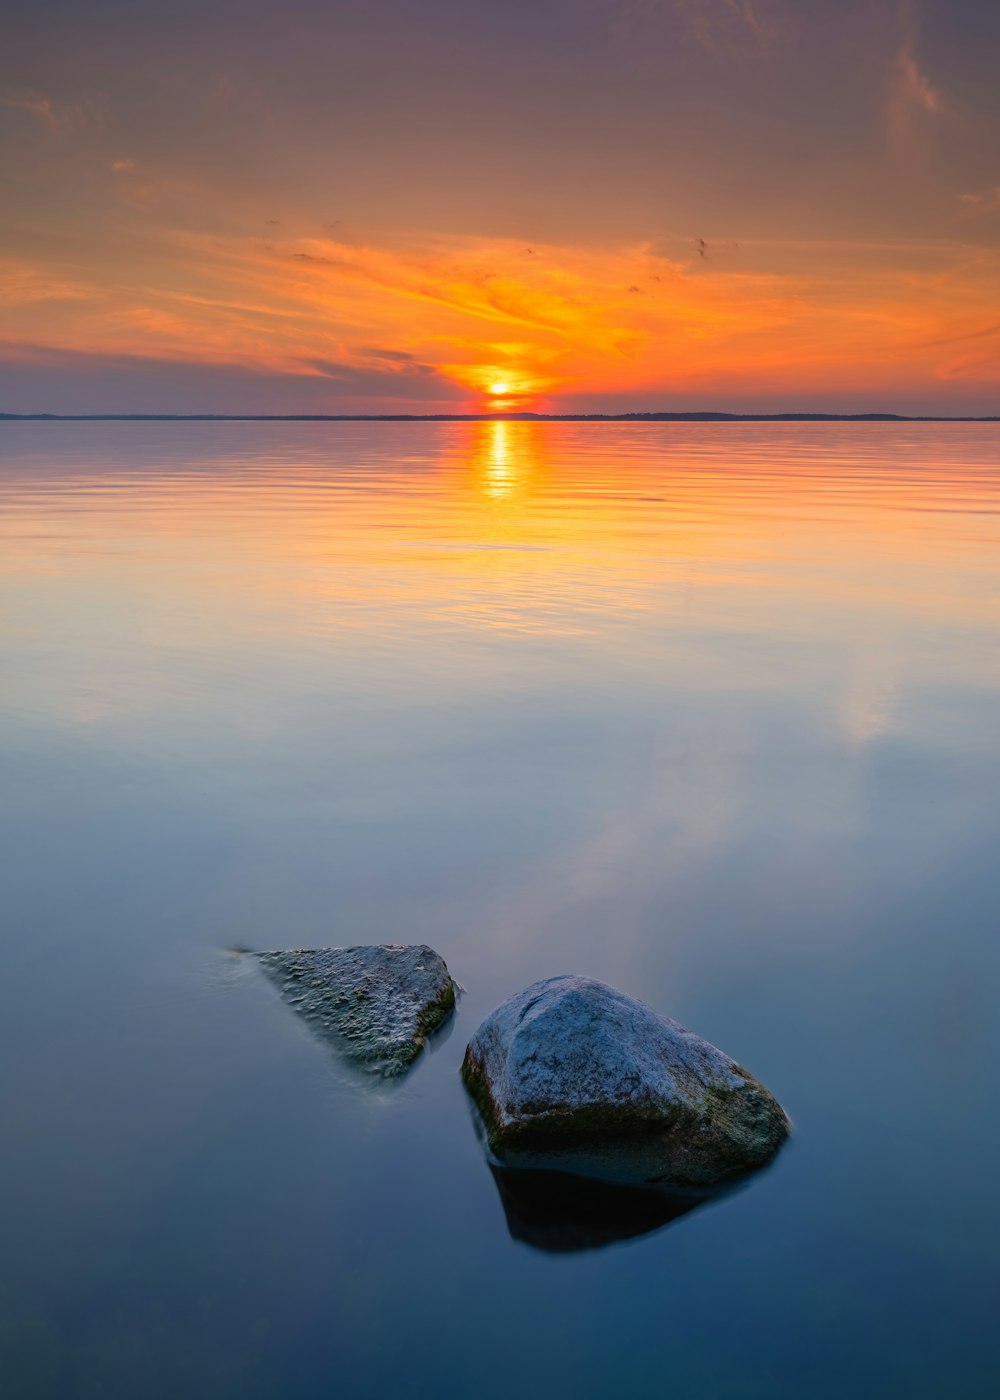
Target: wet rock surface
376,1005
571,1075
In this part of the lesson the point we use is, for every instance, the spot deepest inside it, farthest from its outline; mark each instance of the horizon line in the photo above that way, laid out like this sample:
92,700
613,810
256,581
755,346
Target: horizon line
648,416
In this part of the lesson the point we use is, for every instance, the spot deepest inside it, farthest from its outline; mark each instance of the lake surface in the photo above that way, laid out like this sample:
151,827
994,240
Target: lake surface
711,712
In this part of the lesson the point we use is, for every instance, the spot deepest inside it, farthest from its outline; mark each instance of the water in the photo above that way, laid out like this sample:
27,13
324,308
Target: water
710,712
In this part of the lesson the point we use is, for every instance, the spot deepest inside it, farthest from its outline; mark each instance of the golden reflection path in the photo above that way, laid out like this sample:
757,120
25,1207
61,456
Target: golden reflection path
653,545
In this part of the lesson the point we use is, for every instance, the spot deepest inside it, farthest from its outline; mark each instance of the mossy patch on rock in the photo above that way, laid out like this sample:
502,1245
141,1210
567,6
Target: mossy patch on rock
376,1005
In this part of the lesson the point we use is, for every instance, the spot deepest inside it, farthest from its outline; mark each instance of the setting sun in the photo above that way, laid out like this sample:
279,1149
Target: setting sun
499,388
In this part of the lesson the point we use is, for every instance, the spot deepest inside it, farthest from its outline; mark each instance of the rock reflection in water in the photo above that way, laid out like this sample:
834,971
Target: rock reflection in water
560,1214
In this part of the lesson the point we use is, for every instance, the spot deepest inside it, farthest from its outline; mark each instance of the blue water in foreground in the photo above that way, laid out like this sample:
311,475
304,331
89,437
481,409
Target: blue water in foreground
711,712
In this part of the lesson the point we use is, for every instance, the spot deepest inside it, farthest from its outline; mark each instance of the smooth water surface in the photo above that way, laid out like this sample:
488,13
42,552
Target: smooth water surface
711,712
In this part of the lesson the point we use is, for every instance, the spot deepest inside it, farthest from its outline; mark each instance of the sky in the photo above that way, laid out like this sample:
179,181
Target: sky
384,206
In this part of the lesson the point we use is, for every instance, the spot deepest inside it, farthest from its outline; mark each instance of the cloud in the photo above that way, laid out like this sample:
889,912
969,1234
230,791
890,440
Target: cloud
982,333
751,14
912,98
41,108
23,283
40,379
986,202
395,363
725,24
390,325
914,92
55,117
397,357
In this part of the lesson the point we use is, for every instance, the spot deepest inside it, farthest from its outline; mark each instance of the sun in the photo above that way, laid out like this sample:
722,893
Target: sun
499,387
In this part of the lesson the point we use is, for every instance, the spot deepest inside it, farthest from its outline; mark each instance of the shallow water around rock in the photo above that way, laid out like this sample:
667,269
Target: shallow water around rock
709,712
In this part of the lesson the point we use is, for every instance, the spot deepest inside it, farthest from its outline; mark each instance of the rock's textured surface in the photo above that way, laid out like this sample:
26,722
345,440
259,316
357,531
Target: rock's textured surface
376,1005
572,1075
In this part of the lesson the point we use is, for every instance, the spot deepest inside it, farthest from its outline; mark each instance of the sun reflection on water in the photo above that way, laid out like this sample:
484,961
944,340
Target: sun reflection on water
499,466
502,459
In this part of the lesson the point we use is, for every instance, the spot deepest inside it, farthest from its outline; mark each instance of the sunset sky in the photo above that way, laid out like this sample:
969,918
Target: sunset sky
449,206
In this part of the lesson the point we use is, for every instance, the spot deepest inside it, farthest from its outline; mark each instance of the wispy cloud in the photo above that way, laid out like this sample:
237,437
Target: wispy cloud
985,202
54,116
24,284
981,333
722,27
723,24
912,97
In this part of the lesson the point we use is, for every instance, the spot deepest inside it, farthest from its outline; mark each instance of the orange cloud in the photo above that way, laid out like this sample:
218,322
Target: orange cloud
518,327
23,283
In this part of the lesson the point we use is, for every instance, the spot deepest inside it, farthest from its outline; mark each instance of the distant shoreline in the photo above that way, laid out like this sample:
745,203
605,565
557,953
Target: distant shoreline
492,418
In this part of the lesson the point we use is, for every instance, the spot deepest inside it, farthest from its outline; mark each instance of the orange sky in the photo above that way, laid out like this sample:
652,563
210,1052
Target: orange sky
671,205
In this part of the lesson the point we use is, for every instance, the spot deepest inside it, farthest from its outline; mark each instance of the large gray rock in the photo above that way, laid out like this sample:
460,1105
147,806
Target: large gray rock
375,1005
572,1075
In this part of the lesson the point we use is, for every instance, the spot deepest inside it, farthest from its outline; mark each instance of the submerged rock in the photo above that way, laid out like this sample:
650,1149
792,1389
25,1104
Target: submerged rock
376,1005
571,1075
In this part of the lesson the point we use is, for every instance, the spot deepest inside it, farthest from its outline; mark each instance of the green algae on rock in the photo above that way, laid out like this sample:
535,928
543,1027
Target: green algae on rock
376,1005
571,1075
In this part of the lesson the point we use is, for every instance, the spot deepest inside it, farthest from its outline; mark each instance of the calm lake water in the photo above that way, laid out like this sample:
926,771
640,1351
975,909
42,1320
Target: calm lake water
709,712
